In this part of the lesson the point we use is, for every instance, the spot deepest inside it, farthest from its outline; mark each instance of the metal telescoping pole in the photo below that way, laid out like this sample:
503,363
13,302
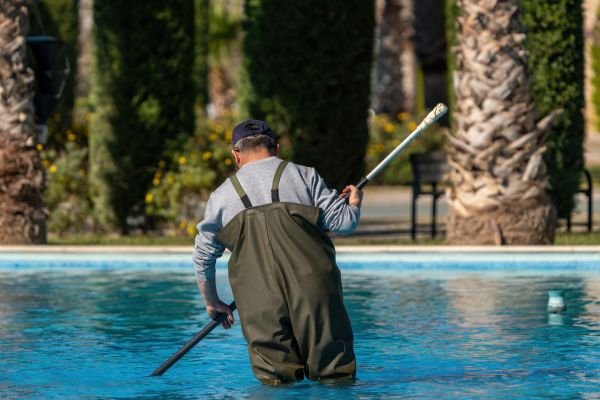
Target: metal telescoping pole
433,116
198,337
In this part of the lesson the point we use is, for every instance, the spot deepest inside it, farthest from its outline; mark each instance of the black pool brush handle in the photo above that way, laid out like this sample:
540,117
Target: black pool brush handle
198,337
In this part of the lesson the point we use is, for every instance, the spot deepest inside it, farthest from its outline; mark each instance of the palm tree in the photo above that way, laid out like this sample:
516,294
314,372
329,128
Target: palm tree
394,89
499,180
224,55
22,216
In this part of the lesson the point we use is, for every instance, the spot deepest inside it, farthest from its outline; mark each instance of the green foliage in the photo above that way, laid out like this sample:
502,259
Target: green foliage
202,43
555,46
143,96
595,54
183,182
225,30
67,194
451,12
307,70
386,135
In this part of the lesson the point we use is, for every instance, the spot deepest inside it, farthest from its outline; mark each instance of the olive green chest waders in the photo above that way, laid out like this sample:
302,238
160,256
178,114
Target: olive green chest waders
288,291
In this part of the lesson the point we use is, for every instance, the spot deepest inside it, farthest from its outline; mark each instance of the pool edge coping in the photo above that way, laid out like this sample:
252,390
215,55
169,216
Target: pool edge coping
100,249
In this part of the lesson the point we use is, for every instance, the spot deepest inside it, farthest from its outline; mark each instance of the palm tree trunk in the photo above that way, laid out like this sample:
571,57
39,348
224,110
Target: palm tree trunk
22,216
84,53
499,180
395,75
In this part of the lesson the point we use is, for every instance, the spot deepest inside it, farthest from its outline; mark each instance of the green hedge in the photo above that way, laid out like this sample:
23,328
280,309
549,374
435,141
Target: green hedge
596,77
143,95
451,13
307,69
201,12
555,45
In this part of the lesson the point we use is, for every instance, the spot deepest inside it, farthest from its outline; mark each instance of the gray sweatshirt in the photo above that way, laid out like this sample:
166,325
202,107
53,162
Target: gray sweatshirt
298,184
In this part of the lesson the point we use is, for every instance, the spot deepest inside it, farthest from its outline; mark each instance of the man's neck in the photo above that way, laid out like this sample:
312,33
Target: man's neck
253,156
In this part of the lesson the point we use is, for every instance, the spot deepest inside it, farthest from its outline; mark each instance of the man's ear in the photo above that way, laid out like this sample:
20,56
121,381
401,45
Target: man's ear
237,158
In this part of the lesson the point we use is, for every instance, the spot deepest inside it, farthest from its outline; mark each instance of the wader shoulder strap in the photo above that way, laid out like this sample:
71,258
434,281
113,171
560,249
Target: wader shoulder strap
276,179
240,191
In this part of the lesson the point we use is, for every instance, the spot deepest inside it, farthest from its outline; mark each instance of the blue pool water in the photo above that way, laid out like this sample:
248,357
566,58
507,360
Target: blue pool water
426,326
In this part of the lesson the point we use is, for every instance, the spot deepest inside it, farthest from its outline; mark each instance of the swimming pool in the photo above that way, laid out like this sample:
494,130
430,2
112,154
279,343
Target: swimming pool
450,325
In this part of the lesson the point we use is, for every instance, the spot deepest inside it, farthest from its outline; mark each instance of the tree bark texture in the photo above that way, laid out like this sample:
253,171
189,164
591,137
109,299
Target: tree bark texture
499,180
85,14
22,215
391,95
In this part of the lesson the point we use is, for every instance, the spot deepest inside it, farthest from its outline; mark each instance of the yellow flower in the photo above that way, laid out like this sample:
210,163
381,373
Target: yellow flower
229,135
403,116
156,181
39,146
388,128
71,137
161,164
182,160
81,172
191,230
411,126
149,198
170,179
45,163
207,155
213,137
228,161
52,169
182,224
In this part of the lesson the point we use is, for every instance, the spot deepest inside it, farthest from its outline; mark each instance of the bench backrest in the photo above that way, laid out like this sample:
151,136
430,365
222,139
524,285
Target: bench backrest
428,168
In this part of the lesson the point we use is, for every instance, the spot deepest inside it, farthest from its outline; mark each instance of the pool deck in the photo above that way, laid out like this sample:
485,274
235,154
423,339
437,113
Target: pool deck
422,249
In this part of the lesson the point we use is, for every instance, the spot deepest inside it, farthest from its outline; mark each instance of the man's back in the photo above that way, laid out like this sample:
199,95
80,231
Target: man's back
298,184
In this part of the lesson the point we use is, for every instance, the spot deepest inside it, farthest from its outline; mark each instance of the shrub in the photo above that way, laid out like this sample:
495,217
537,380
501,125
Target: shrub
143,97
555,45
183,181
67,195
595,54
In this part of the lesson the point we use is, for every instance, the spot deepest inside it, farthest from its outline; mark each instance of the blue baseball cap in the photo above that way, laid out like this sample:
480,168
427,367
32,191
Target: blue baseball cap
251,127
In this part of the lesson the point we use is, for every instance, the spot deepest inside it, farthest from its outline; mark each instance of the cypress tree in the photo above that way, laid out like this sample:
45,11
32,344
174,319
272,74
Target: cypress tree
595,54
307,68
555,45
143,95
201,12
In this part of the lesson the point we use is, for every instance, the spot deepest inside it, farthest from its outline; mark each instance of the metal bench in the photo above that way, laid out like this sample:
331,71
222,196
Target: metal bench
429,170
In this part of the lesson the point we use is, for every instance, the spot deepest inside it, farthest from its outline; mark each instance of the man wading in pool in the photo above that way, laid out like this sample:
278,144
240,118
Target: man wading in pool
273,215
